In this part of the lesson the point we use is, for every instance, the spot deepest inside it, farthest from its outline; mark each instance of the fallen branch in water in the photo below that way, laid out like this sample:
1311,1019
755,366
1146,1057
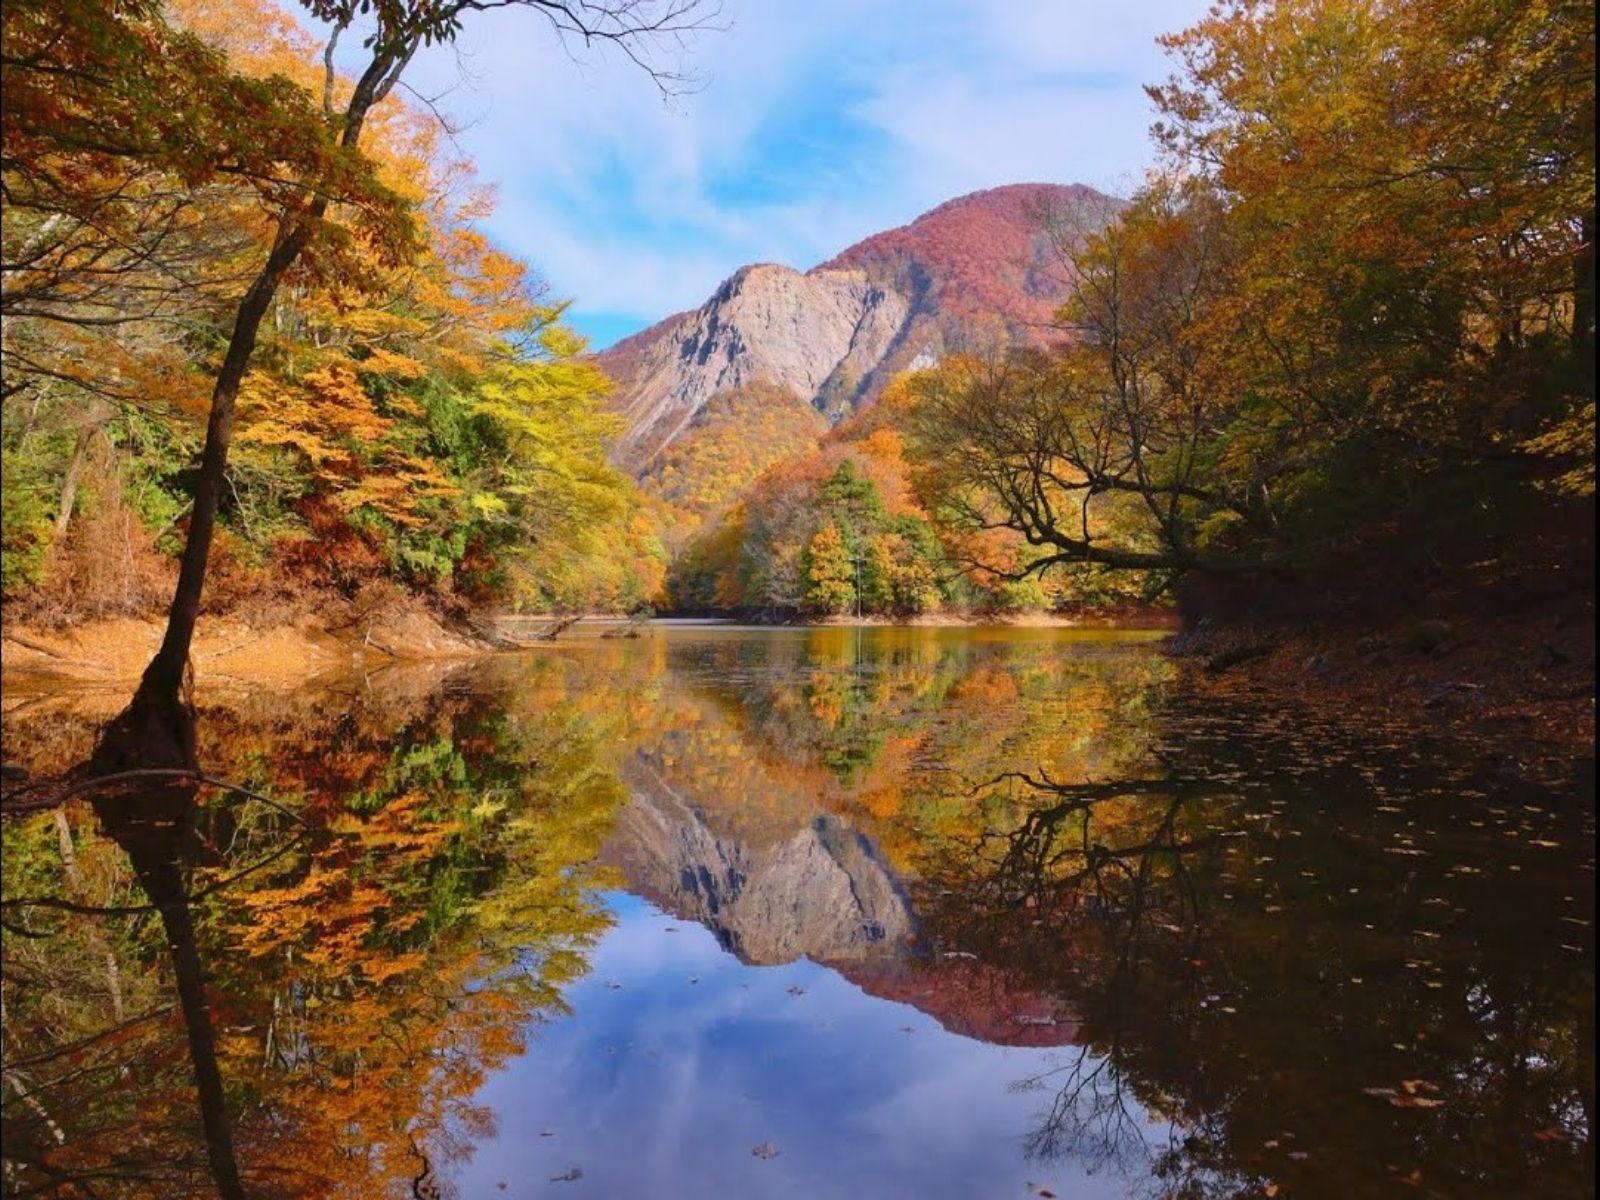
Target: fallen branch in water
1219,663
377,645
557,627
495,638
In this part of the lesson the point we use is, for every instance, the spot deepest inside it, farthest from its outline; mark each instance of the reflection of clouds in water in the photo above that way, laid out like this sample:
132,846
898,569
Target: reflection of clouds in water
661,1086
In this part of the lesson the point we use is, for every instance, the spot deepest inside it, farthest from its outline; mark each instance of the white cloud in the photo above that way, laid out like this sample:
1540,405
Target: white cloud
632,205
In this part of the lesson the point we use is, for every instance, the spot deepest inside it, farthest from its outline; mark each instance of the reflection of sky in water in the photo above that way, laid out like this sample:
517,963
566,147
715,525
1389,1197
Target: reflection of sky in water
660,1086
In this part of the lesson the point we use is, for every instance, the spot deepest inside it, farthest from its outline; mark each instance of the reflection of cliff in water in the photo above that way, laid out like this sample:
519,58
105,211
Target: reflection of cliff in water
820,892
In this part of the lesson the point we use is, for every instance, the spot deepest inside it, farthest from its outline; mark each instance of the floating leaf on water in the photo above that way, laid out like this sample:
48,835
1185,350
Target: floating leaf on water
1415,1102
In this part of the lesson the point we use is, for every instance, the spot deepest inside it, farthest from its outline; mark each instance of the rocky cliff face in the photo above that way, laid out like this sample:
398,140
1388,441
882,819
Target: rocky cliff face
814,334
977,269
820,893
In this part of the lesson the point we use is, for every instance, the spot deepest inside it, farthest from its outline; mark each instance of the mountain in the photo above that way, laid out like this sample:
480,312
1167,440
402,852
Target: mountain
819,891
973,269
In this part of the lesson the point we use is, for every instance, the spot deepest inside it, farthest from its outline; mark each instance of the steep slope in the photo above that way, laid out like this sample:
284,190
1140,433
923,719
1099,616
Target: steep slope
819,891
978,268
767,324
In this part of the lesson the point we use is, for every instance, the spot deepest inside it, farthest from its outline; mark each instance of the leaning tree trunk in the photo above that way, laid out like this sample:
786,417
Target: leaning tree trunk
156,729
163,678
155,829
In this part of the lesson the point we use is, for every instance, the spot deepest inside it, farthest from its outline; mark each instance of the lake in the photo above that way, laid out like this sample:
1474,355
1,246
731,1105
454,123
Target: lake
802,912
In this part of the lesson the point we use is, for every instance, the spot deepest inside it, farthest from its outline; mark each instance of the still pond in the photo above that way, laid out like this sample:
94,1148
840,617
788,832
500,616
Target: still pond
813,913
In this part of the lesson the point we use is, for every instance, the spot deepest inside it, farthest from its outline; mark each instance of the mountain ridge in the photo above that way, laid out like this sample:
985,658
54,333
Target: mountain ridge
978,267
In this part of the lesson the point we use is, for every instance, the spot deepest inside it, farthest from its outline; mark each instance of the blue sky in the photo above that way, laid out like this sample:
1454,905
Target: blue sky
814,124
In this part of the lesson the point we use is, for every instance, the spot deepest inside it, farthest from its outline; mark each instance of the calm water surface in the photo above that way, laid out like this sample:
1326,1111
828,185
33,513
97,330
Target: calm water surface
721,912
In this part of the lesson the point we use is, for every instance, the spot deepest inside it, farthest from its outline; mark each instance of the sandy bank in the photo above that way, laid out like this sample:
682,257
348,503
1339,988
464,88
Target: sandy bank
230,649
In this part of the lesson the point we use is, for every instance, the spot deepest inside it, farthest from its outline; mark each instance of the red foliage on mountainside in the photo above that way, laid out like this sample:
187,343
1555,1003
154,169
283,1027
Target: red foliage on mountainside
984,255
969,998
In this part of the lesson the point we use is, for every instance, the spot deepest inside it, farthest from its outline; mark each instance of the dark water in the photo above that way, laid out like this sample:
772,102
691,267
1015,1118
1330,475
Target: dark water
920,913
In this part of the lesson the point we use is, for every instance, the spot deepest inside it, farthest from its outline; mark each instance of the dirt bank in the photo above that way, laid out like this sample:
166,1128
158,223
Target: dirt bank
233,649
1522,685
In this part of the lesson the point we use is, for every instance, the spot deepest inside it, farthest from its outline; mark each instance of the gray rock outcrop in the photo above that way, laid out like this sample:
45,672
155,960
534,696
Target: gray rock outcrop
820,893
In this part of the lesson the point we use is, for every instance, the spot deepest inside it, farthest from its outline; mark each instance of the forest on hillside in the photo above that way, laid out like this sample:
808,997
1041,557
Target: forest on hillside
1341,340
1337,353
416,412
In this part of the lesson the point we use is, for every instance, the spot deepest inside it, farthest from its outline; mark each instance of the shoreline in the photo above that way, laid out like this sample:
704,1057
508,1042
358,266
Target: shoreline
1522,683
232,650
1522,687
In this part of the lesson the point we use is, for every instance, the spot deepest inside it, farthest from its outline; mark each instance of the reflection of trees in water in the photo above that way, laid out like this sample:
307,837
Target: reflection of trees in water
845,699
1091,1116
364,981
1071,890
1308,991
375,945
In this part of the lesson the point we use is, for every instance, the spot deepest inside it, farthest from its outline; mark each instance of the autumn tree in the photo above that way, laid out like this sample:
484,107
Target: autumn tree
329,178
1350,321
831,572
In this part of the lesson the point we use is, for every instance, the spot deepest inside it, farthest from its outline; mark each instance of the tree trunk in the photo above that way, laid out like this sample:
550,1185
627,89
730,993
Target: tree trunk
156,729
163,678
69,482
1583,299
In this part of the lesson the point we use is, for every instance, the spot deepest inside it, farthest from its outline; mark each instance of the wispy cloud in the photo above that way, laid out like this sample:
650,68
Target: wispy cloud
815,125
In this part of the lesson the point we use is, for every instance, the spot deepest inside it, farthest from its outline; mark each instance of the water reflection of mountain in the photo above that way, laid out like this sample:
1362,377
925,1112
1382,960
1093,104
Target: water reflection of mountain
1336,957
821,892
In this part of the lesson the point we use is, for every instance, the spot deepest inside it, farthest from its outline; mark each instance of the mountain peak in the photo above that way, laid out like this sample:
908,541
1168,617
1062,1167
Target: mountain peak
834,335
